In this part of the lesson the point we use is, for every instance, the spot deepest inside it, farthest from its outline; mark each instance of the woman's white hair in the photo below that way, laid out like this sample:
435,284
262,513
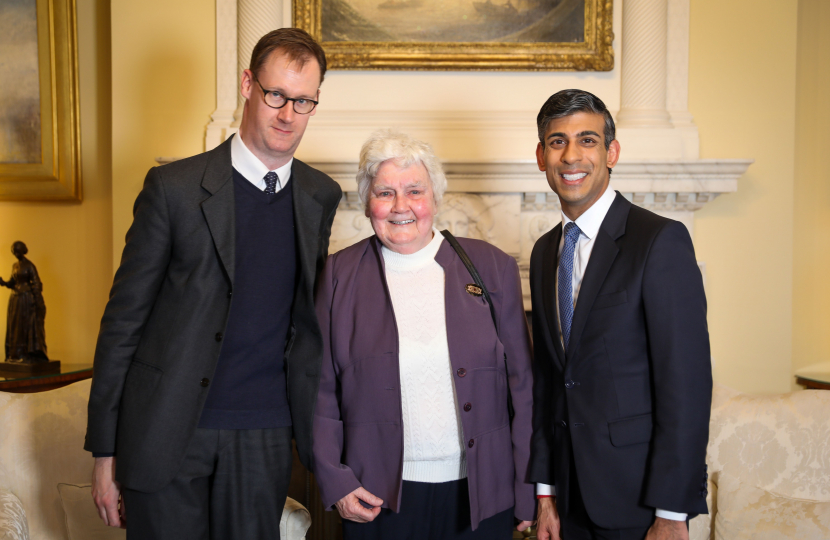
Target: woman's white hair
387,144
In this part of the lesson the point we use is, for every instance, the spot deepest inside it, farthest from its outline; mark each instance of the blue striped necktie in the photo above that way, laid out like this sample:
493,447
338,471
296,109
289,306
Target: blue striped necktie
566,270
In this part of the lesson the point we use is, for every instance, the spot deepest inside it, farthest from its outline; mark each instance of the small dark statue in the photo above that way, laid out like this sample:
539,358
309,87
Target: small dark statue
25,337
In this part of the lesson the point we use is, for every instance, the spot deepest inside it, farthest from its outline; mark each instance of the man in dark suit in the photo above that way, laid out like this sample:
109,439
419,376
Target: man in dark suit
622,374
209,351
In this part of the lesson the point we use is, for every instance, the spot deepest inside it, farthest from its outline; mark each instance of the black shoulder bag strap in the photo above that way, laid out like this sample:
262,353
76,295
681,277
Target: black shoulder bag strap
480,283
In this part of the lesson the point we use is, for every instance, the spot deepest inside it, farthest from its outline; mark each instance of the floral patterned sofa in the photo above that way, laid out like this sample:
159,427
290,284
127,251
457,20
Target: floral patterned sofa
45,472
769,467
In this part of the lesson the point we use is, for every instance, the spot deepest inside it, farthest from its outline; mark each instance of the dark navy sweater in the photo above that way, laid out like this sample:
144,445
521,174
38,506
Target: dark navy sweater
248,390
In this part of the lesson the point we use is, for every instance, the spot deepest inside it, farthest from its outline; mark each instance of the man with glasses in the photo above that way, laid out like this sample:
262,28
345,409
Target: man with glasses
209,352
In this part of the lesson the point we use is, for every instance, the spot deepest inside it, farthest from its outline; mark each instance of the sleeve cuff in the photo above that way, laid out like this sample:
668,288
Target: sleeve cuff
545,490
103,454
674,516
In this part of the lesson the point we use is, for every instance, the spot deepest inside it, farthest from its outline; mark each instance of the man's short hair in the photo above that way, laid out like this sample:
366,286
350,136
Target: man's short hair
568,102
297,44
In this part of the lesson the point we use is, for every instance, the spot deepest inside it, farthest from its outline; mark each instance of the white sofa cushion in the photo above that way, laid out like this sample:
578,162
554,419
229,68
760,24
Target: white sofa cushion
82,520
13,525
42,444
777,443
751,513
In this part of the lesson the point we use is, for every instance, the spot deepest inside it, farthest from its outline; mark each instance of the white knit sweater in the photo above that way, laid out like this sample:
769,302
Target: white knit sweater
432,449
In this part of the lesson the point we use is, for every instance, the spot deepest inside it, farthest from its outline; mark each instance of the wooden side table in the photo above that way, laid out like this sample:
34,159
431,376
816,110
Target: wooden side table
815,377
39,382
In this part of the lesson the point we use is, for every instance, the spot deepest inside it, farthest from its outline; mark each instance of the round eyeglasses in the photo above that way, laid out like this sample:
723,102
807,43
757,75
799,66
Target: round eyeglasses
275,100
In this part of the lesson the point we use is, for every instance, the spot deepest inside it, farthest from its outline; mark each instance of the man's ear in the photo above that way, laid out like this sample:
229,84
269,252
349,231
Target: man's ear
246,84
540,157
613,153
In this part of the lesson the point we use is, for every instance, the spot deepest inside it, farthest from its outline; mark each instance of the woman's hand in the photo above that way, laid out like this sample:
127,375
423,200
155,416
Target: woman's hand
524,525
351,509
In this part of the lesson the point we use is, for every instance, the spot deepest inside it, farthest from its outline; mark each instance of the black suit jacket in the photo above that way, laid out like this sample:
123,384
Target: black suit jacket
631,395
160,339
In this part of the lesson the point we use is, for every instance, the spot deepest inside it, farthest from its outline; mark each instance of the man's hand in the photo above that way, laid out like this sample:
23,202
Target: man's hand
547,527
667,529
351,509
106,493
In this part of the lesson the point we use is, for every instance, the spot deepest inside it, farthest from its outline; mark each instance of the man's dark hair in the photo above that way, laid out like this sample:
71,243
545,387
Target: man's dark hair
297,44
568,102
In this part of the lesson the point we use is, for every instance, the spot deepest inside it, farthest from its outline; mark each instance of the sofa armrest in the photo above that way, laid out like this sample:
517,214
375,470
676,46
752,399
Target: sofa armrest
13,524
295,521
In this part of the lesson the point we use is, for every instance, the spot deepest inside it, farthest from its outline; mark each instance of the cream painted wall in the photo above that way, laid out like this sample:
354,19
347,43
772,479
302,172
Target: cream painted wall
811,239
70,243
163,92
742,94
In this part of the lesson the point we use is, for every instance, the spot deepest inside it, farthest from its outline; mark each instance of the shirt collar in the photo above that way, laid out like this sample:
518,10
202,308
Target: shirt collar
250,167
590,221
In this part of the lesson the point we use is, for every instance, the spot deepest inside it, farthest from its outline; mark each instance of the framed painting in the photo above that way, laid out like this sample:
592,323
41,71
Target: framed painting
517,35
39,131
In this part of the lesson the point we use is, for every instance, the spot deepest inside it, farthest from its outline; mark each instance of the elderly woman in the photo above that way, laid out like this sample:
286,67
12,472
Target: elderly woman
412,435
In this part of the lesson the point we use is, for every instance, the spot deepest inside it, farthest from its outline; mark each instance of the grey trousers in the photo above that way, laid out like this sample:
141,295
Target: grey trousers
232,485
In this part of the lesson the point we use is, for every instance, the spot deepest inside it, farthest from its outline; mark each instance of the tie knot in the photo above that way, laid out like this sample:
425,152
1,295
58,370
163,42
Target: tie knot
271,180
572,232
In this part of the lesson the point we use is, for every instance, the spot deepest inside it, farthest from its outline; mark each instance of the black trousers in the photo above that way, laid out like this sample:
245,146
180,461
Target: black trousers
577,525
231,485
431,512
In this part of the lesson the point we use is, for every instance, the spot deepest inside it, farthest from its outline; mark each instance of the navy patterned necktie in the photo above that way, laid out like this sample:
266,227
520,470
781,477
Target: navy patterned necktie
565,286
271,181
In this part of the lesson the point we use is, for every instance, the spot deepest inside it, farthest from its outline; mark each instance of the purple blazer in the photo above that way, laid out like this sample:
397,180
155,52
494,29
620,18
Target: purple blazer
358,426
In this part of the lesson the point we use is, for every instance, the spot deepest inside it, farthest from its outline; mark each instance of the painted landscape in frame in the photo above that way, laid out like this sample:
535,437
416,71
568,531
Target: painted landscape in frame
436,21
461,34
20,128
39,117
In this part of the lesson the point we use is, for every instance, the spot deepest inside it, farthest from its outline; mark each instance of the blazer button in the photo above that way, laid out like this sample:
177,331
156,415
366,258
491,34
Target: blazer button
230,293
218,336
563,423
461,372
205,382
468,406
471,443
571,384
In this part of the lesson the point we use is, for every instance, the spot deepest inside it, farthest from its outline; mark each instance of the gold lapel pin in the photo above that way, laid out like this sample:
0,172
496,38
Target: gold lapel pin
473,289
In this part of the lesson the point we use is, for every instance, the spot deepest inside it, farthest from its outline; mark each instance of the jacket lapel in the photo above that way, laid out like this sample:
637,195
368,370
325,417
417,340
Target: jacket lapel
551,264
602,257
218,209
308,214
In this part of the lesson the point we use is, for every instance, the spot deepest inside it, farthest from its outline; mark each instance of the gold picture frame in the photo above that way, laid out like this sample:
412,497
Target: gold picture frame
509,53
49,166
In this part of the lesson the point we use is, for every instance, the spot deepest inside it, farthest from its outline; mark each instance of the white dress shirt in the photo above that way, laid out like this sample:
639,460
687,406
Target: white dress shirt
589,224
252,169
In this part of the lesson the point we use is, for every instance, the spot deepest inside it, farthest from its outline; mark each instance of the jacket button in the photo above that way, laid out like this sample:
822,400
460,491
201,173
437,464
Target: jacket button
205,382
471,443
230,293
563,423
461,372
218,336
570,384
468,406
